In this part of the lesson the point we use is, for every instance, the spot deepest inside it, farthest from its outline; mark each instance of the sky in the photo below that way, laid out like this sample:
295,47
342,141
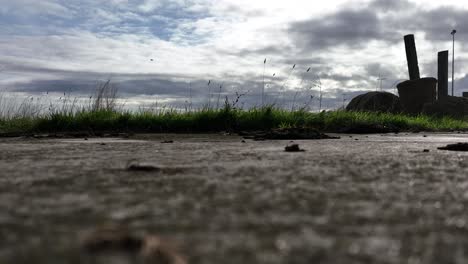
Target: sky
167,51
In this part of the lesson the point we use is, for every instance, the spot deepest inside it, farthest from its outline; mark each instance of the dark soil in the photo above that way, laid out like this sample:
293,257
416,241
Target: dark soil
456,147
368,129
286,134
293,148
140,167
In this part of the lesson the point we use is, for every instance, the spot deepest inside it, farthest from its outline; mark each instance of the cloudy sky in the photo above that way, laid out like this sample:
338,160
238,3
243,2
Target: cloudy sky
168,50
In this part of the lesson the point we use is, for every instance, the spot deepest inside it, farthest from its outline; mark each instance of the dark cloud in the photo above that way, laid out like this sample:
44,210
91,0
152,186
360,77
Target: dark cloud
390,5
376,71
352,28
342,78
163,85
180,91
150,86
438,23
381,20
55,86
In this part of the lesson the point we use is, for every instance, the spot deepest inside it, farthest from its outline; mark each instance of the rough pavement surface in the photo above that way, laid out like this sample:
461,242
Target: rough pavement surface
378,199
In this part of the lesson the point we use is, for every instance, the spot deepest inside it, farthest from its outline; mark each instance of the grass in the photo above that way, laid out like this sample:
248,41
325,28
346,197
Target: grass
102,114
225,119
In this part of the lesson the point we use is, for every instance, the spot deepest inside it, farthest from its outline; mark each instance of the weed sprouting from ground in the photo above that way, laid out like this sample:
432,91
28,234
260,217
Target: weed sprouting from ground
227,118
289,76
263,84
19,107
209,93
283,86
219,95
105,98
303,77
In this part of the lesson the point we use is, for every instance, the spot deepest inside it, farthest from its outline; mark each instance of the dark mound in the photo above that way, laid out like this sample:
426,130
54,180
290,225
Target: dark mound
456,107
286,134
375,102
293,148
456,147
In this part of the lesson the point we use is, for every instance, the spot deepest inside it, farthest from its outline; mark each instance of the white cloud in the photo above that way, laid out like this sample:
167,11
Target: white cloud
201,39
25,8
149,5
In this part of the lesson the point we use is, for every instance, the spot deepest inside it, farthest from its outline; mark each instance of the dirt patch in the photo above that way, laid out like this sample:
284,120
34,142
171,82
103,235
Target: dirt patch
368,129
136,166
293,148
142,167
286,134
456,147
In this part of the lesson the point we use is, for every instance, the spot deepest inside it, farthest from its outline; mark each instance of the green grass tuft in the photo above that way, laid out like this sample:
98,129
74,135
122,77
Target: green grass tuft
226,119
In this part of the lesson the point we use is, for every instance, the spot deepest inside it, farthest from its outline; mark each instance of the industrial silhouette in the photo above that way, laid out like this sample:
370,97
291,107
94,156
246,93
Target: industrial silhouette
417,95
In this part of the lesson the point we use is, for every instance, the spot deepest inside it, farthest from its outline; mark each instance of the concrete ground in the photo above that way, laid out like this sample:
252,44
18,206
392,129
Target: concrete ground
358,199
